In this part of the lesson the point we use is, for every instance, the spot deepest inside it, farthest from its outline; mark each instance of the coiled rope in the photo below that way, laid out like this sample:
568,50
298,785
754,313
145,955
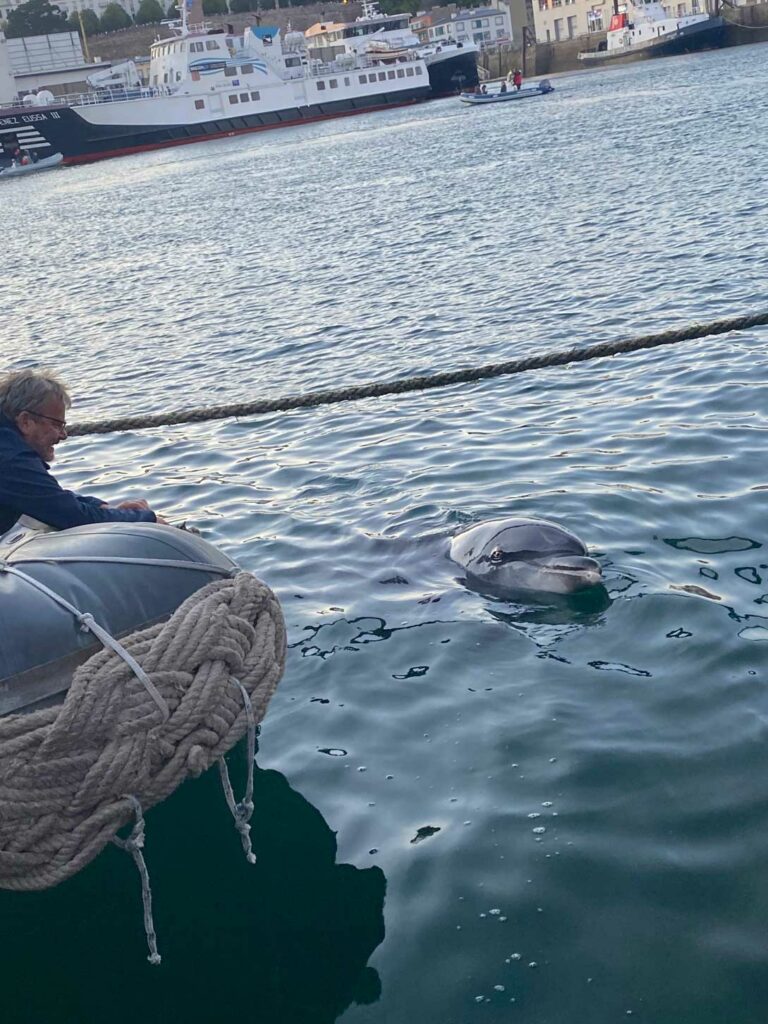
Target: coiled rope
377,389
72,776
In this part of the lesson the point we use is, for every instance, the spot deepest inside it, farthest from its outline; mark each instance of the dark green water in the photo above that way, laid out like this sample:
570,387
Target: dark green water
466,809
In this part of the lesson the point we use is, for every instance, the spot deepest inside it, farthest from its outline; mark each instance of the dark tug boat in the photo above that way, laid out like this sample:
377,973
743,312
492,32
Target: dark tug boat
206,83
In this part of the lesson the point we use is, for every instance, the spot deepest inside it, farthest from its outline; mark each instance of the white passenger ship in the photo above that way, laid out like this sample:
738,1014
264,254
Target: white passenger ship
451,65
205,83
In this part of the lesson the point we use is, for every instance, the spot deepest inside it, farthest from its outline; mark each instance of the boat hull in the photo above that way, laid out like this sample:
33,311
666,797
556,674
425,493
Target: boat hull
66,130
489,99
691,39
450,75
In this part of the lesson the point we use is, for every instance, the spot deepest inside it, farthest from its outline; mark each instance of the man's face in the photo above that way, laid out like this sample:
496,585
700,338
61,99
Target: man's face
43,428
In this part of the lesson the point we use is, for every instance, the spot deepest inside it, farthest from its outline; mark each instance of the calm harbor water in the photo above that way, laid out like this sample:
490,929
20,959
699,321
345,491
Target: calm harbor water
466,809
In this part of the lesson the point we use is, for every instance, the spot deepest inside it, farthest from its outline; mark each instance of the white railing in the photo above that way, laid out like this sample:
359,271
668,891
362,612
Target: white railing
108,95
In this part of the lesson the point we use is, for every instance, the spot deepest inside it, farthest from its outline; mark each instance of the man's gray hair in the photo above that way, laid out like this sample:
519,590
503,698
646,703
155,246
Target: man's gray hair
28,390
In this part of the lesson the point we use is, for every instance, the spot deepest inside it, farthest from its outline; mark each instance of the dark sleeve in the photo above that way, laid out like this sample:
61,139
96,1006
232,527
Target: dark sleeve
27,487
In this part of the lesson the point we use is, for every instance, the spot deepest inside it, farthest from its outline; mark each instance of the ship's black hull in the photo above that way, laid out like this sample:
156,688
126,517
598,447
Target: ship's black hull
455,74
692,39
61,129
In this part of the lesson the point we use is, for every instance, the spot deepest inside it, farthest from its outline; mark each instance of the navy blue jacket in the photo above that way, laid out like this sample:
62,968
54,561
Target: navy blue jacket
27,488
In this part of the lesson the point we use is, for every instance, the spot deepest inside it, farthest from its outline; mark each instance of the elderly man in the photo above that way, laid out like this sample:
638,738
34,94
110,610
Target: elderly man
33,407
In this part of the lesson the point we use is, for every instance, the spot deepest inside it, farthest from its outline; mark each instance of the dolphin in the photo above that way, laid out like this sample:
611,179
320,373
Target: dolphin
505,556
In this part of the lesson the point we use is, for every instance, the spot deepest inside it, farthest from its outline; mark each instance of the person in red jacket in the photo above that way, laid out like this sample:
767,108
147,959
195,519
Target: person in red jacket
33,408
517,79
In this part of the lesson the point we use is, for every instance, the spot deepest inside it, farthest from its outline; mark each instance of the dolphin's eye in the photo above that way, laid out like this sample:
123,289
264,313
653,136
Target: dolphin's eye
497,555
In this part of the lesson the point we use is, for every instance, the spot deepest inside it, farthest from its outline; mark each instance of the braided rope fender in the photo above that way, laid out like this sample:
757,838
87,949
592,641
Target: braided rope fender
70,775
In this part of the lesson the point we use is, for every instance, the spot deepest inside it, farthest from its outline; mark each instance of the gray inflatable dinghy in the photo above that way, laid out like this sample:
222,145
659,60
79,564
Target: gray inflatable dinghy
127,576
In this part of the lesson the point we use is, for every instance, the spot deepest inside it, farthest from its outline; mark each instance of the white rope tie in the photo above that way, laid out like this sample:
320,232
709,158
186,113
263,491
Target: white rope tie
134,844
89,624
242,811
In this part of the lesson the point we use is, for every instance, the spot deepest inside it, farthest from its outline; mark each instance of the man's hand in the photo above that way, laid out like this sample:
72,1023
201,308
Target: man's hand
136,503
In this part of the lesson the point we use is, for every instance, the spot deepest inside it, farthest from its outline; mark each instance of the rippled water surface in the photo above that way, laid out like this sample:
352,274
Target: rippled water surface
466,808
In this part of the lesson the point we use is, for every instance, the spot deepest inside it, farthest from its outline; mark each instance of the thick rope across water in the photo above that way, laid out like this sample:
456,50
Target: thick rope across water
71,776
543,360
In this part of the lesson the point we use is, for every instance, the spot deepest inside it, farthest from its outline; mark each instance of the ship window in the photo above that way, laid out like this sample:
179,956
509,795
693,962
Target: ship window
243,97
346,81
210,44
233,97
321,85
165,78
333,83
390,74
363,79
247,69
255,96
178,76
418,70
409,72
230,72
199,104
382,76
400,73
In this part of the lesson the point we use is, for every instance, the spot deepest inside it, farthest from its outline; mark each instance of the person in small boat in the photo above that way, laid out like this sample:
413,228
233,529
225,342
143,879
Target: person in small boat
517,79
478,90
484,90
33,406
503,87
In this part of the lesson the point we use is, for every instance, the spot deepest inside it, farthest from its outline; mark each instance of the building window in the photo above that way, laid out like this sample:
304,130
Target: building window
557,3
543,5
499,33
255,96
594,20
572,26
321,85
499,21
199,104
233,97
478,24
681,10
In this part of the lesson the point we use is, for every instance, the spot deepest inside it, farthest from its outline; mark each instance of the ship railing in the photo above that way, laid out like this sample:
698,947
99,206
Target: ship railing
322,70
110,94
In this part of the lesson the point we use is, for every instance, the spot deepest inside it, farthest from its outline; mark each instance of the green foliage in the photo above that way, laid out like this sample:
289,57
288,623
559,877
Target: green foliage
36,18
113,18
215,7
149,12
90,22
402,6
172,13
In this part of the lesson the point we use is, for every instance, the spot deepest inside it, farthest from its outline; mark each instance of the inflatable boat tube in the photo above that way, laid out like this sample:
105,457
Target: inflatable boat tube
128,576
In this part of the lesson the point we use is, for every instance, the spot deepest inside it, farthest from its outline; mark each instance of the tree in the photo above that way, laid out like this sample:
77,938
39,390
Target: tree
113,18
214,7
36,18
149,11
90,22
173,12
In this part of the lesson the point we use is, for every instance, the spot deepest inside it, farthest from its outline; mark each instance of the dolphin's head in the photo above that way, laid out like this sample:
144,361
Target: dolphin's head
512,555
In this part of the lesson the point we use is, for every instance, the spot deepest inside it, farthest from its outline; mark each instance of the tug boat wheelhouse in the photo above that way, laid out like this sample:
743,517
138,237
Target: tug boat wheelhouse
642,28
204,83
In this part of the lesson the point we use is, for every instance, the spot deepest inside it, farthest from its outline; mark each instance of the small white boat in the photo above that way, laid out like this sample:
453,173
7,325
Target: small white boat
483,98
37,165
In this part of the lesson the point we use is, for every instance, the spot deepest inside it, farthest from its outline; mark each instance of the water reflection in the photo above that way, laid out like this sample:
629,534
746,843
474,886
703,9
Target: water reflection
287,939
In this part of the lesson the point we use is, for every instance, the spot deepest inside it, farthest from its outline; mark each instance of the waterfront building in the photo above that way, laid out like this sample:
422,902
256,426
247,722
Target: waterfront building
72,6
54,62
484,26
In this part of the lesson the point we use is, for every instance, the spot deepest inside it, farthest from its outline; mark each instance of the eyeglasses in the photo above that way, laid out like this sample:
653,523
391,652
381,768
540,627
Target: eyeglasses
61,424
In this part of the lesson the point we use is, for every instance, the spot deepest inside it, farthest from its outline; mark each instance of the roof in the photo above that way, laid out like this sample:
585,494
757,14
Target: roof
326,26
267,32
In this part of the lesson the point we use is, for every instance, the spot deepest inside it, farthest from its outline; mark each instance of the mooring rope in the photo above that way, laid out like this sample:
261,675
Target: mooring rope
140,717
377,389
